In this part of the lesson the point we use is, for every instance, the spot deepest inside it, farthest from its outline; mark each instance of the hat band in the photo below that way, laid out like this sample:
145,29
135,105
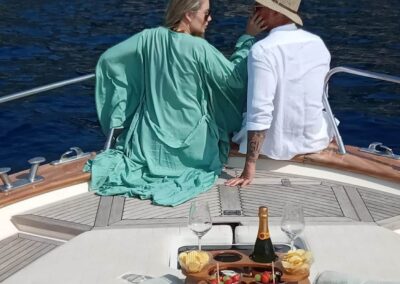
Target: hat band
283,6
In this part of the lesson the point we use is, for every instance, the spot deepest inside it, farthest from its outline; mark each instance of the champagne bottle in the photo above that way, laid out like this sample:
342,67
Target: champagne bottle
263,248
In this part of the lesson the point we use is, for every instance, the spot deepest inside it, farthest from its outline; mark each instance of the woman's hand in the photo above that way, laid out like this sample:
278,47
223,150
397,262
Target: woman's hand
255,25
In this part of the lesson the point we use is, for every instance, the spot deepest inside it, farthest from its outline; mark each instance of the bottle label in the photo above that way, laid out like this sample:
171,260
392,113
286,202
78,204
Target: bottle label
263,236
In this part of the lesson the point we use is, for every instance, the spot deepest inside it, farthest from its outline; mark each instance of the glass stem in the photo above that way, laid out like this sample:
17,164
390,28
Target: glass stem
292,244
199,243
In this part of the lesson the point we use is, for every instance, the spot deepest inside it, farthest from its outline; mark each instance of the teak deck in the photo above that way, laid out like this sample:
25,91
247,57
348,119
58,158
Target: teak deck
323,201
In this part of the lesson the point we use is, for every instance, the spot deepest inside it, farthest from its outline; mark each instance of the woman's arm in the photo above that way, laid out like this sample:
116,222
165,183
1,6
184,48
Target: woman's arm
255,25
118,86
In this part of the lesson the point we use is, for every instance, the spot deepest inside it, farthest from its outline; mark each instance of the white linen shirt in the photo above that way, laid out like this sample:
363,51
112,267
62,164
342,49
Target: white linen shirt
285,88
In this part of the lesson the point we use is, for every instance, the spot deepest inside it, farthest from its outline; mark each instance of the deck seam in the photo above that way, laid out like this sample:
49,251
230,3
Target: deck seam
117,209
344,202
103,211
359,205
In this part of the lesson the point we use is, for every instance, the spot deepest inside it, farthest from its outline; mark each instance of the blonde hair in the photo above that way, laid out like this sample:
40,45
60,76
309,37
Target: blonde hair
177,9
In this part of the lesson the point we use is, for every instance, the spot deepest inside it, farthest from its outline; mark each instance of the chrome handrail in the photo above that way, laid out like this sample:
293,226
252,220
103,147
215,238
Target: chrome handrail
353,71
44,88
339,140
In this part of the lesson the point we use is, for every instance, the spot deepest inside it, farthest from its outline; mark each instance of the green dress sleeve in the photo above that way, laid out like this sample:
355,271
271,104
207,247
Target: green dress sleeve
242,48
227,81
118,87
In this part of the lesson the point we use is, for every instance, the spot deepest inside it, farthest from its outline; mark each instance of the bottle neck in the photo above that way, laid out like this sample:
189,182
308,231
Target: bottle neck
263,231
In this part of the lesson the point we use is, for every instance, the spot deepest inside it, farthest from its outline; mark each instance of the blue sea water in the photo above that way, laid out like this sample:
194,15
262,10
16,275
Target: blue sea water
46,41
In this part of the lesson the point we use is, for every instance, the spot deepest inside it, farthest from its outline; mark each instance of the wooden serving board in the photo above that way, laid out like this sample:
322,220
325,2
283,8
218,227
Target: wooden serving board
246,264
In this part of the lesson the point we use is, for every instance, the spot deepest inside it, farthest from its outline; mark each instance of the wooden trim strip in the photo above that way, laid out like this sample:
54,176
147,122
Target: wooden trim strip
354,161
55,177
60,176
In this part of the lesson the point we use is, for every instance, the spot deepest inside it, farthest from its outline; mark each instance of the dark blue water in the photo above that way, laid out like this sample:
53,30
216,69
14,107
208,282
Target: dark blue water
45,41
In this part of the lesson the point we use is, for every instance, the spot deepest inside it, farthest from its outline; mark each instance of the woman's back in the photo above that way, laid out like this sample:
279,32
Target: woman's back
177,99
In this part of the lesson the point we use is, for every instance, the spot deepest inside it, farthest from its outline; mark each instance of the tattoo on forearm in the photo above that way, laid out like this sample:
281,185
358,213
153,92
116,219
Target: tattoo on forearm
254,143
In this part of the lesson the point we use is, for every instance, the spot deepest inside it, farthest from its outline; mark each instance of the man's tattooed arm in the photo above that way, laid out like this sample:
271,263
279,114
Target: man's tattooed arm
254,142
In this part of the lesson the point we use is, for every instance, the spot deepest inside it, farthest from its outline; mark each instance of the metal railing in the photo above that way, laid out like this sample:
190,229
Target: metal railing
44,88
353,71
339,140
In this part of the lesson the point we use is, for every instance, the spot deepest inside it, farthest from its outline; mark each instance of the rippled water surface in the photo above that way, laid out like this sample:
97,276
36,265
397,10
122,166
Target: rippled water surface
46,41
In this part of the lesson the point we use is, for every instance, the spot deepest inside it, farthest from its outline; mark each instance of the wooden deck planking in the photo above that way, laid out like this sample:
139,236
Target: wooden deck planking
358,204
25,248
150,212
283,195
7,252
104,211
20,250
9,242
117,208
280,181
319,198
330,207
81,209
381,205
298,190
323,202
345,202
139,209
387,201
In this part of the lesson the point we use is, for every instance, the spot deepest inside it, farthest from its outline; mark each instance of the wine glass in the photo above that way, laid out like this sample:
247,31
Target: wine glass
199,219
292,223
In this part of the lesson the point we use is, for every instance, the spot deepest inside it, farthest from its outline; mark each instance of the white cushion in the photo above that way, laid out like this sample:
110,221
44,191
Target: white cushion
334,277
361,249
103,256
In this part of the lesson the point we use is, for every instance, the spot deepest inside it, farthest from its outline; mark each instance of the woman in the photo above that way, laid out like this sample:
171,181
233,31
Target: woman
178,99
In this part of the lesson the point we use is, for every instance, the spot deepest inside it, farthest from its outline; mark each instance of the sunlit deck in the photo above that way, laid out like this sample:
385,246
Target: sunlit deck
325,203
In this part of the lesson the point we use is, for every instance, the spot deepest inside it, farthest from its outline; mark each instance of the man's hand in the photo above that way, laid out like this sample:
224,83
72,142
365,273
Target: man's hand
255,139
255,25
245,178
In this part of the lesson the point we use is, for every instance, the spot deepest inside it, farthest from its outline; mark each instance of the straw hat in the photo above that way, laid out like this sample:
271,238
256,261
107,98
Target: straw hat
288,8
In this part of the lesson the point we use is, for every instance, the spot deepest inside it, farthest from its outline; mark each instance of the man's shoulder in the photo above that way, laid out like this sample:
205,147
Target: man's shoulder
263,45
266,46
277,39
309,35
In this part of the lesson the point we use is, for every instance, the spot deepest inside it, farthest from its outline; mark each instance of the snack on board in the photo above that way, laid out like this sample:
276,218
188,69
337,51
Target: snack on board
225,277
296,261
267,277
193,261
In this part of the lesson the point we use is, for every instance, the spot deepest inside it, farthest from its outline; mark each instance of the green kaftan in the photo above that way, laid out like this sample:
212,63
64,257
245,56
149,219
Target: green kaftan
178,99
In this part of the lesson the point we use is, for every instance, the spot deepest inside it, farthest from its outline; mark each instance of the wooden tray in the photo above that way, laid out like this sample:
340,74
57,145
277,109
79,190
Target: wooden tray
244,263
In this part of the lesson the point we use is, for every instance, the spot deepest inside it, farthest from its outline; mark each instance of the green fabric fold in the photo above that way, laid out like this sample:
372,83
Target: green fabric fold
178,100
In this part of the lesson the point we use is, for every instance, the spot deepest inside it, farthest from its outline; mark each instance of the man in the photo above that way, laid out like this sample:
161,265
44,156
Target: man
285,88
